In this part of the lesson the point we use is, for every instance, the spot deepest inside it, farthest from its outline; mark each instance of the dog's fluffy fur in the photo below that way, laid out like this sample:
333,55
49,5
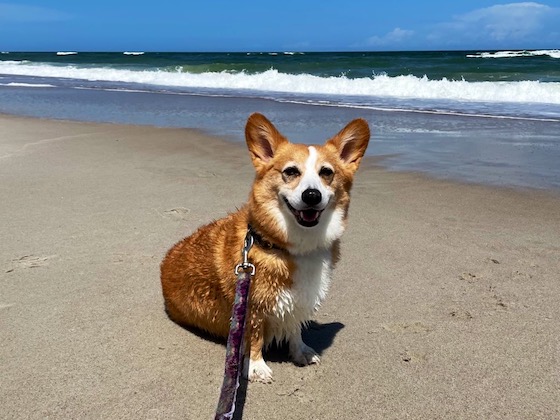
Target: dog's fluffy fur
298,207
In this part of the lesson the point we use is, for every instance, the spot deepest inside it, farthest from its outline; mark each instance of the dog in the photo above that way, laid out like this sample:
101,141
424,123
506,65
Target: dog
296,212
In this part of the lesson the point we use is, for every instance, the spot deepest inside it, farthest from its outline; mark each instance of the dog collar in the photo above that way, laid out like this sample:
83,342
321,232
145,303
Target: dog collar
260,241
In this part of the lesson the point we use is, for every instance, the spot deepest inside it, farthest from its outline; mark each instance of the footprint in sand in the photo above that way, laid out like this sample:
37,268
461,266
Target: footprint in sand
461,314
178,213
30,261
407,328
469,278
409,356
498,300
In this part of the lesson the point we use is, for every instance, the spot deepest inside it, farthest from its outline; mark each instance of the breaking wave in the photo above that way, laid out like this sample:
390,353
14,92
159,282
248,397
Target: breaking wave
273,81
513,54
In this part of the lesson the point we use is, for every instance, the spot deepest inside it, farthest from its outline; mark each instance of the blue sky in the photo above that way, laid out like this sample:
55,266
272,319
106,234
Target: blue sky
312,25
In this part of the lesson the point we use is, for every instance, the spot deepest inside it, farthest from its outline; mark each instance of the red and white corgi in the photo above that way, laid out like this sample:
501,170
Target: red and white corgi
297,212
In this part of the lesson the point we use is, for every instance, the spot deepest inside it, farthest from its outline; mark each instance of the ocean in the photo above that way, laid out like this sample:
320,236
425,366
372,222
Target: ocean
478,116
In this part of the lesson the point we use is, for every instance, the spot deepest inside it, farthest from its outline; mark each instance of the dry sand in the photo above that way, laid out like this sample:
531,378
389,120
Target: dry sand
444,305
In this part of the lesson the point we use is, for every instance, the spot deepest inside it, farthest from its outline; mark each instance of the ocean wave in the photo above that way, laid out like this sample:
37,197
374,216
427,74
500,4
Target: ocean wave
276,53
513,54
33,85
66,53
272,81
7,62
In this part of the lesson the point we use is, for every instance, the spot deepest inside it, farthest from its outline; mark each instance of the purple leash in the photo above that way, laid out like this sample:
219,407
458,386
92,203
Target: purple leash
234,353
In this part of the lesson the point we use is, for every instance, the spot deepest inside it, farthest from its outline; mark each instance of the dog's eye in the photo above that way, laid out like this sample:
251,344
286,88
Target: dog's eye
326,172
291,172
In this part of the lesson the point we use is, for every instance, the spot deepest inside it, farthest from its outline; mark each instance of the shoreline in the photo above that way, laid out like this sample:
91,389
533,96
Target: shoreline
442,306
381,161
517,153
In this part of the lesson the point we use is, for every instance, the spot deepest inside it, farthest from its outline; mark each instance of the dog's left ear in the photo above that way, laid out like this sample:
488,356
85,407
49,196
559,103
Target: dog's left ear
351,143
262,139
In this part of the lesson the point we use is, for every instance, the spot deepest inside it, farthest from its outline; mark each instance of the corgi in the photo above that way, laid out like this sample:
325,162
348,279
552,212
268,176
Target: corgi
296,212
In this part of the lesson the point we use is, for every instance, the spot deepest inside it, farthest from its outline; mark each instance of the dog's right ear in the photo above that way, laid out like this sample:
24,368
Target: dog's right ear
262,139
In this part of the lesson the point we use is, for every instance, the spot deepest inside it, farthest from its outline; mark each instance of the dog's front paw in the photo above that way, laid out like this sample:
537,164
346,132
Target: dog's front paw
304,355
257,371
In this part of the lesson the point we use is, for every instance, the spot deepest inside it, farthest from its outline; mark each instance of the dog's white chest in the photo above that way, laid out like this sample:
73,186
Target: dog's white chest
297,304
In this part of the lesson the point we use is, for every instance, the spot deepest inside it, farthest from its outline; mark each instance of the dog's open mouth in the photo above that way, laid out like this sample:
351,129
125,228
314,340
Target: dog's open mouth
308,217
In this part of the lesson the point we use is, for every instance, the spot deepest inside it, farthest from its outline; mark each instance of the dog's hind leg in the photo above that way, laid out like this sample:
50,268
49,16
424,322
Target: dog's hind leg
300,352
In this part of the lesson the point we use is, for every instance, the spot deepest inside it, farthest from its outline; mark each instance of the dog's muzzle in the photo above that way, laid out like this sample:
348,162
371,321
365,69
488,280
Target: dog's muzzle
309,216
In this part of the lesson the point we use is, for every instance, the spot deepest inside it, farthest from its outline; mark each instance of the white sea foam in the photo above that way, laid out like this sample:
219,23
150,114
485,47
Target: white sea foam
66,53
272,81
115,90
34,85
275,53
512,54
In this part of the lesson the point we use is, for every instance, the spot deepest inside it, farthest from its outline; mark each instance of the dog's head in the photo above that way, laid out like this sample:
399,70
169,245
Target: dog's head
301,193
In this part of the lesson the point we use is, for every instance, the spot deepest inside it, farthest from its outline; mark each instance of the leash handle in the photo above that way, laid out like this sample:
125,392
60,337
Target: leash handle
234,354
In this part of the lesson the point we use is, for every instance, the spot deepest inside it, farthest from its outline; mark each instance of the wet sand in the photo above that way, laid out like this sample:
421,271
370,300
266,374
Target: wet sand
444,305
504,152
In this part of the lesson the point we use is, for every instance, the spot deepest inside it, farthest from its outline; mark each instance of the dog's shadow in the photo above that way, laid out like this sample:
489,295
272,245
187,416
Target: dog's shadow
317,336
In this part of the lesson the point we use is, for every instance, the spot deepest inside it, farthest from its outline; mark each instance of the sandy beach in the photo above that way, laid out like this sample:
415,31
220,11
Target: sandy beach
444,304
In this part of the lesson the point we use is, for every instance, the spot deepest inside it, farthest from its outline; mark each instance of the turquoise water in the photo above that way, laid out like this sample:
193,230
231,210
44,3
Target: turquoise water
471,66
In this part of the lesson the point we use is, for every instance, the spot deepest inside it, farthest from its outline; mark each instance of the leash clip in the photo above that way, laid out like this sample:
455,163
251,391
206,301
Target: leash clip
245,265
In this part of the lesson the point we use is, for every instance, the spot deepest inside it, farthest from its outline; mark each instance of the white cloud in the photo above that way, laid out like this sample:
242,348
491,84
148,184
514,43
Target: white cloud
18,13
393,38
503,21
513,25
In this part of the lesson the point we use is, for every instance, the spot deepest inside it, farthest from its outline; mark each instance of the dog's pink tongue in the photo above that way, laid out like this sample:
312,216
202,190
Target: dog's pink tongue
309,215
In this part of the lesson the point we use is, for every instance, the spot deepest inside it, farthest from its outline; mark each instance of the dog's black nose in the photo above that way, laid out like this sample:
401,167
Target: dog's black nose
311,197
